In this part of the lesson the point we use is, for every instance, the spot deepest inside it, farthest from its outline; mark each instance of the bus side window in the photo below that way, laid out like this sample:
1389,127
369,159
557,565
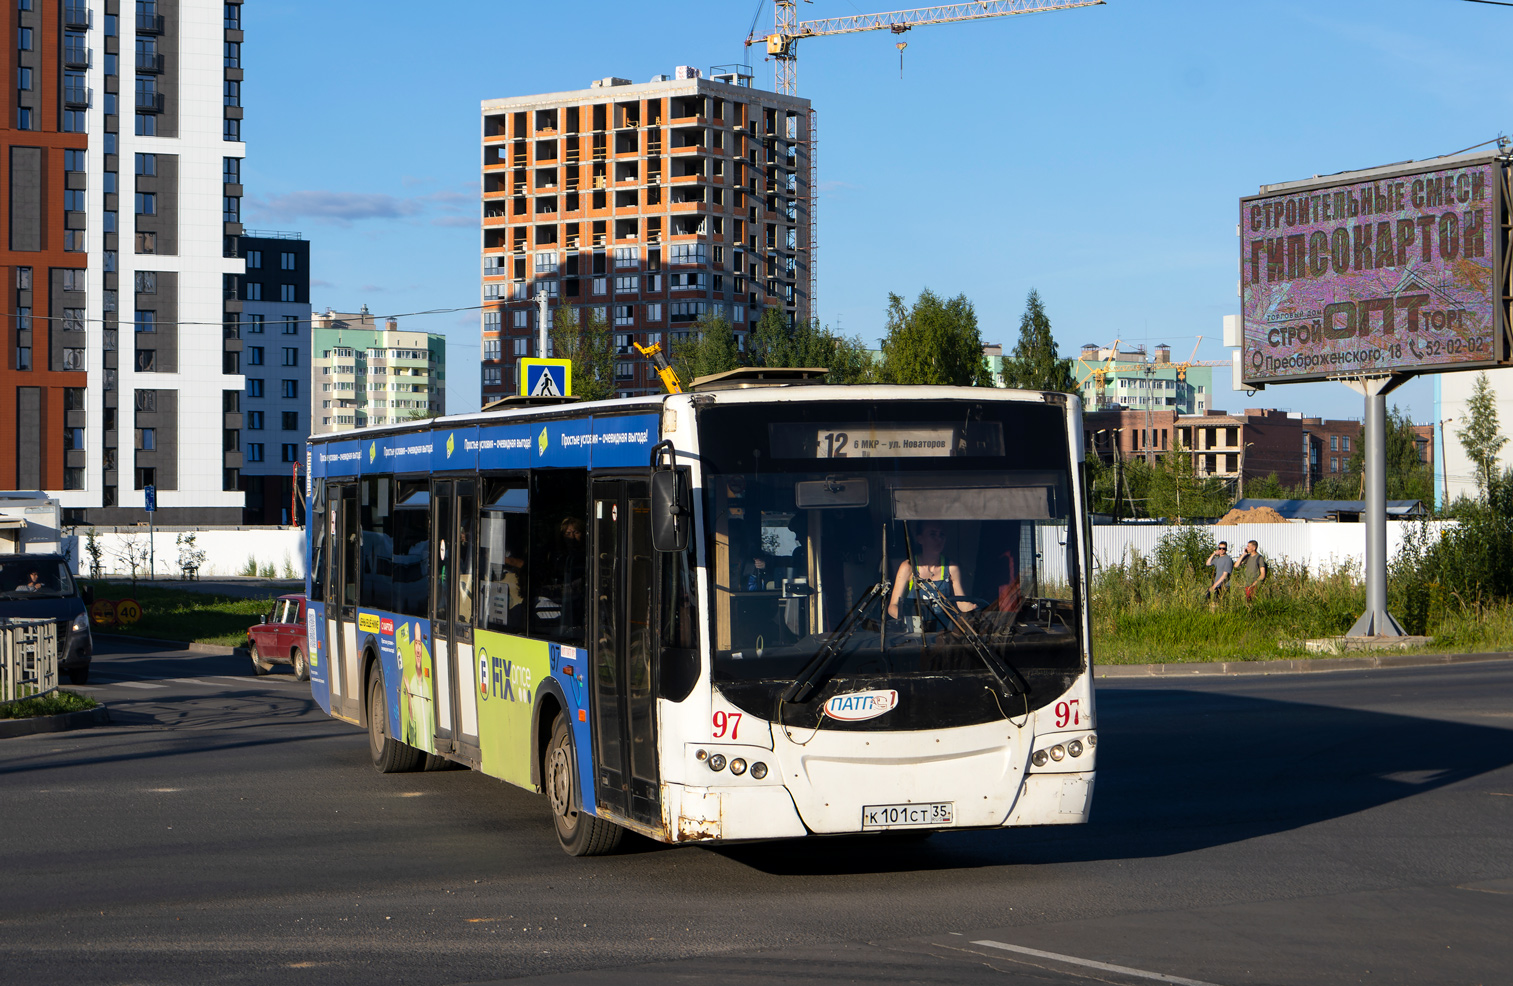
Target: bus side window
412,548
467,517
377,541
503,556
317,559
557,608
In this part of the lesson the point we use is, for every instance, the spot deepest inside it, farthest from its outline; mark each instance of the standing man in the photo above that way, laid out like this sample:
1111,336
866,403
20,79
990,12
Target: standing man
1223,566
1252,569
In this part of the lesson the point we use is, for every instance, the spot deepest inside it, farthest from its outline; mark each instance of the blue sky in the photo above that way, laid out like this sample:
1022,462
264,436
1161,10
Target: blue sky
1096,155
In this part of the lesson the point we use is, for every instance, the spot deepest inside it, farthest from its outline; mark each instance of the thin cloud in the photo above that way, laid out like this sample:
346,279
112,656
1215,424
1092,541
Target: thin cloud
318,283
455,221
346,208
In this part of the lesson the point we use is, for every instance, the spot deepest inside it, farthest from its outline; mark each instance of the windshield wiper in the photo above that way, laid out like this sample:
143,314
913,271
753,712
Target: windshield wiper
813,674
1009,678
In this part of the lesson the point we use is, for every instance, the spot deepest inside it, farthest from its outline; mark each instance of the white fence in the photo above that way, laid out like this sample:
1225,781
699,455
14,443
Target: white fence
228,551
28,658
1322,547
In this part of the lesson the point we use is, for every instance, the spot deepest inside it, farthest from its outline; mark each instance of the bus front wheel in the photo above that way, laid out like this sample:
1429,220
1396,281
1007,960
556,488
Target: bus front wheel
389,755
579,833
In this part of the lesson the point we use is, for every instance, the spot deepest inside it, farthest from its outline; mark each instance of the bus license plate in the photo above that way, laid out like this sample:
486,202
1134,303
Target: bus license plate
902,816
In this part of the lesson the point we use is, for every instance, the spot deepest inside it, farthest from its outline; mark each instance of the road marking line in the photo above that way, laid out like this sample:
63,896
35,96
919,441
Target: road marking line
193,681
139,684
227,677
1102,966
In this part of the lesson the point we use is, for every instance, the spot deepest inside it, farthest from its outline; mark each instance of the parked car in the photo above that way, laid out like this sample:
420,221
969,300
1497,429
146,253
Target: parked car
279,638
39,586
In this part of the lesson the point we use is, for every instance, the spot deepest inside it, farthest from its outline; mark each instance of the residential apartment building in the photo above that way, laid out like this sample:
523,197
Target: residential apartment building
118,226
364,374
1109,379
275,331
1237,448
649,204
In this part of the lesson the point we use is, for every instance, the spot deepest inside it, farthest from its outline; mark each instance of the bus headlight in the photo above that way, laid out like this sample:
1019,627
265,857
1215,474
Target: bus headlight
1058,752
738,766
759,770
717,761
1040,758
1074,748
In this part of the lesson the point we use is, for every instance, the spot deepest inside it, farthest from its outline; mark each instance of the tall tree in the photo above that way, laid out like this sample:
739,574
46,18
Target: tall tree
1408,475
710,348
935,341
1481,437
807,344
588,342
1036,365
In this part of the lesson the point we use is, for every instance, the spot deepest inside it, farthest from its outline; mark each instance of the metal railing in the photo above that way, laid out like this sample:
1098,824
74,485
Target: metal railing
28,658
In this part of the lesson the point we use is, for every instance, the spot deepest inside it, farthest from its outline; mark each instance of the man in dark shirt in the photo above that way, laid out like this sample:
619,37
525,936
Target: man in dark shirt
1252,569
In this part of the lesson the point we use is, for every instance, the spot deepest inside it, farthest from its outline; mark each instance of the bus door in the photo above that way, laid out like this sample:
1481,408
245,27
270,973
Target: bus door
341,599
624,694
453,547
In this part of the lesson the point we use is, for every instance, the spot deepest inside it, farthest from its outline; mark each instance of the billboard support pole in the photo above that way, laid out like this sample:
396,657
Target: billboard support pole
1376,621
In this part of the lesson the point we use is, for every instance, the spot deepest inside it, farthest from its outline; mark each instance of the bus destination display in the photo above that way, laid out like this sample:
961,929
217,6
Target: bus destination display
1395,274
870,440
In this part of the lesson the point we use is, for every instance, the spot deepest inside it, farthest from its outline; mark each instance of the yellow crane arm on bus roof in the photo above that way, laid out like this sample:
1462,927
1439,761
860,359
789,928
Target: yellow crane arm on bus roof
664,369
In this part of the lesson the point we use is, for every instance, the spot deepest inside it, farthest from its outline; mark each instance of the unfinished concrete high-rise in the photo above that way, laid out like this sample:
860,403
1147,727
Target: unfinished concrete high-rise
652,204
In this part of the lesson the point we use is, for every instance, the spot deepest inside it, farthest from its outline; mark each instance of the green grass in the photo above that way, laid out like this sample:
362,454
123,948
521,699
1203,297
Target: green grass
47,705
1152,611
176,614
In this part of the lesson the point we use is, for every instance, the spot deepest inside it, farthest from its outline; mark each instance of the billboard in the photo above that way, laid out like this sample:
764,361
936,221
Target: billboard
1393,270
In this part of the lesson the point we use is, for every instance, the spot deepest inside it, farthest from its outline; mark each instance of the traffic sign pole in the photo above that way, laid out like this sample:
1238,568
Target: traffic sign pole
152,509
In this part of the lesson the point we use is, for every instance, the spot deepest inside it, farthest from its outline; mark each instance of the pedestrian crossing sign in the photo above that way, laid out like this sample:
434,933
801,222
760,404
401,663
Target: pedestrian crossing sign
546,378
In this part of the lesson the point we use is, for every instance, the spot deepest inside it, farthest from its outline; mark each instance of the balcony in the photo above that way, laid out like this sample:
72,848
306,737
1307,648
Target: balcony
149,102
77,56
149,62
78,95
149,23
76,16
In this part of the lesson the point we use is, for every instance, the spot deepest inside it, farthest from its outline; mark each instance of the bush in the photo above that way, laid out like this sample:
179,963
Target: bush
250,569
1467,568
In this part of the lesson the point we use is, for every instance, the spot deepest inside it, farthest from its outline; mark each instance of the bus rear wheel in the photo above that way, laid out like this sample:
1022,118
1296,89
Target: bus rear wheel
389,755
579,833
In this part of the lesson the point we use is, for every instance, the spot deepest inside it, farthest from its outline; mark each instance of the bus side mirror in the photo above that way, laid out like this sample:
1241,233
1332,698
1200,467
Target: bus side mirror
671,512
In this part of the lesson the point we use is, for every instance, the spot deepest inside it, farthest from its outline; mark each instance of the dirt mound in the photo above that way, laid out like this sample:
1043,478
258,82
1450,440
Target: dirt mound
1255,515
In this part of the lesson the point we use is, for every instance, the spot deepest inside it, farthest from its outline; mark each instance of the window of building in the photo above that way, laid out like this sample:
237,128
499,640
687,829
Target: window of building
147,360
147,439
23,78
291,388
625,370
291,356
74,121
600,285
1334,443
254,387
492,376
231,130
147,204
254,420
625,314
518,319
231,209
291,452
1345,444
521,347
147,321
291,325
232,91
23,357
73,320
291,421
254,259
233,54
654,312
231,170
146,282
627,284
147,125
24,39
546,263
286,261
255,452
286,292
146,242
491,349
254,291
233,17
254,355
627,256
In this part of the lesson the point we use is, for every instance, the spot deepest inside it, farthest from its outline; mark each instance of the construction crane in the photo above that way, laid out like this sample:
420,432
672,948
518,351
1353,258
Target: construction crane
664,369
782,43
1182,367
782,47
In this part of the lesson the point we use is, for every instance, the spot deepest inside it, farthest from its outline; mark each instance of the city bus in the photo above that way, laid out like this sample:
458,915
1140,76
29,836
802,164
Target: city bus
751,613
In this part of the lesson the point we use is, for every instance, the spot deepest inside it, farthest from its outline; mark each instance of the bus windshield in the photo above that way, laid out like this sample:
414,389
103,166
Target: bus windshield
897,540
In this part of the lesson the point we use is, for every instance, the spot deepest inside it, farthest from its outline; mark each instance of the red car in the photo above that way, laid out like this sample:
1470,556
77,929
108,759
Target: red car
280,638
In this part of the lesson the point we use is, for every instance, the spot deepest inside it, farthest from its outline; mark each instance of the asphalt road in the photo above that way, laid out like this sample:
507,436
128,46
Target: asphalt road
1353,827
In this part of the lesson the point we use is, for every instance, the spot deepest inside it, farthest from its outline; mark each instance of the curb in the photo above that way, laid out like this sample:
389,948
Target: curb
221,649
97,716
1315,665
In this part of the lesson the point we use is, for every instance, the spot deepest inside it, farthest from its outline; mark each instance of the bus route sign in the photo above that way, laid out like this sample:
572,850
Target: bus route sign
1391,270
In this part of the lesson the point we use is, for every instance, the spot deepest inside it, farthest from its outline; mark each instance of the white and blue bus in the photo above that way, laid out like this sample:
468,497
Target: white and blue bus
746,613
